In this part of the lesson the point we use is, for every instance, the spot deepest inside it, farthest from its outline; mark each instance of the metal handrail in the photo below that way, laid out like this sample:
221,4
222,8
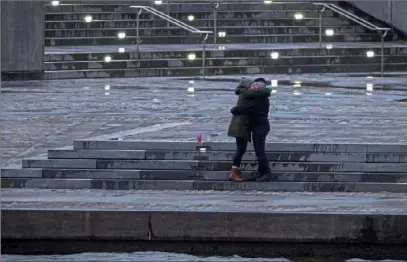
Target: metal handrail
176,22
352,17
383,31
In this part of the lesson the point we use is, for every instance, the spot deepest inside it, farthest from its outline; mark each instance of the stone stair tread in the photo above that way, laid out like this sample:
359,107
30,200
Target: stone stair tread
115,184
178,175
192,161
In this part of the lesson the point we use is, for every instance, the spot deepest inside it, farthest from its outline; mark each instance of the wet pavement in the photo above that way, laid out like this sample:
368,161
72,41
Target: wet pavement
207,201
39,115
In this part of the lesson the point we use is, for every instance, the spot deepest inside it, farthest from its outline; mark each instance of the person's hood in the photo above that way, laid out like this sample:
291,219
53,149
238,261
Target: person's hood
243,86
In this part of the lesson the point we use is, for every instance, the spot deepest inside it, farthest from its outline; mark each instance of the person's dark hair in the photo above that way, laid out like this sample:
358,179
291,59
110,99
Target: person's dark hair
260,79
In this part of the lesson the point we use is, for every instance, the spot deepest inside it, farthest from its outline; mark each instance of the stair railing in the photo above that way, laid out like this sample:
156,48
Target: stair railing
175,22
382,31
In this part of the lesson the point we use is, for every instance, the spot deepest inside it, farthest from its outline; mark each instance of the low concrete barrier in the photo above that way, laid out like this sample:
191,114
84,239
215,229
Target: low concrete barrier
206,226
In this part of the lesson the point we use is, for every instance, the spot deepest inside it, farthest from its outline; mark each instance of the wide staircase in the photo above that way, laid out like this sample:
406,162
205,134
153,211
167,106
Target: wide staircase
100,39
172,165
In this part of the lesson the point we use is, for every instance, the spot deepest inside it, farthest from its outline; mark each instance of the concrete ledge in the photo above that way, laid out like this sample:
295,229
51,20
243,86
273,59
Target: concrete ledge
58,163
95,154
126,184
228,156
251,156
208,226
38,224
282,176
228,146
250,166
204,165
21,173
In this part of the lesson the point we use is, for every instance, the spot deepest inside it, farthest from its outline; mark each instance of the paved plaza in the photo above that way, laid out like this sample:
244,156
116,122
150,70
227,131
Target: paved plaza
206,201
40,115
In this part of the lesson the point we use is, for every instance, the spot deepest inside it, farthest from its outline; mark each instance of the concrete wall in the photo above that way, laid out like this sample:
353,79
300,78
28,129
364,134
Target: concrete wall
391,11
22,39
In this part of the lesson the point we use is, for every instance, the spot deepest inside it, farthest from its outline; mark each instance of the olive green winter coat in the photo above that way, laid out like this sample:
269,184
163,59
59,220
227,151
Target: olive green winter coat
240,124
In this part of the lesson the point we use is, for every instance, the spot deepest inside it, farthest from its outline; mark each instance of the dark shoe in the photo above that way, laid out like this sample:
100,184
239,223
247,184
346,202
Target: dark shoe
235,175
264,178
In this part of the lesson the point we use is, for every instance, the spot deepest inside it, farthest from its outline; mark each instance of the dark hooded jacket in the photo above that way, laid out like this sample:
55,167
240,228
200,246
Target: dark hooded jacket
240,125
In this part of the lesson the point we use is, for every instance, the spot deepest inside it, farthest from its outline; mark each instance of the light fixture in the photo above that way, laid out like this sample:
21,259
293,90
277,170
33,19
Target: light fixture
222,34
191,56
108,59
329,32
268,2
298,16
329,46
55,3
221,47
107,87
274,83
191,18
121,50
88,19
370,53
275,55
121,35
297,84
369,87
158,2
191,88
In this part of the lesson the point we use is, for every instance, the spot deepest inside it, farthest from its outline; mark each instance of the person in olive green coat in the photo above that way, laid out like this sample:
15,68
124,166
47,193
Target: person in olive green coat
239,127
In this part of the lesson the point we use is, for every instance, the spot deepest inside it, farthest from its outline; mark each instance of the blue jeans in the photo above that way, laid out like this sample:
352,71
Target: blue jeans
259,134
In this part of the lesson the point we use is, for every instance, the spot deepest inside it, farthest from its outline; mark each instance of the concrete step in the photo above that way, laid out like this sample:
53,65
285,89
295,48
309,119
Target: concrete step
103,23
228,156
111,9
224,70
136,64
203,165
296,52
96,154
111,184
281,176
166,145
131,14
176,31
196,39
225,165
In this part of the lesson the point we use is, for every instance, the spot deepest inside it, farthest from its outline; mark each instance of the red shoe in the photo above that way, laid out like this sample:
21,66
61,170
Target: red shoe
235,175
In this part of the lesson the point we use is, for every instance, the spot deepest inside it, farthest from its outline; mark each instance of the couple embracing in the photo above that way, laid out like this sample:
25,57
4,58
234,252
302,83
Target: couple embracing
250,124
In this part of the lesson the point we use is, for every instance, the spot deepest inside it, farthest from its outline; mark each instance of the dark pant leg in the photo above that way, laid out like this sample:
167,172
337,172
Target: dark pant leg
259,144
241,146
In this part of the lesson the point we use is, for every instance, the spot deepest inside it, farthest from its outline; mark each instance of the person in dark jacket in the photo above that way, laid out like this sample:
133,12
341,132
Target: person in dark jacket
250,94
257,109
